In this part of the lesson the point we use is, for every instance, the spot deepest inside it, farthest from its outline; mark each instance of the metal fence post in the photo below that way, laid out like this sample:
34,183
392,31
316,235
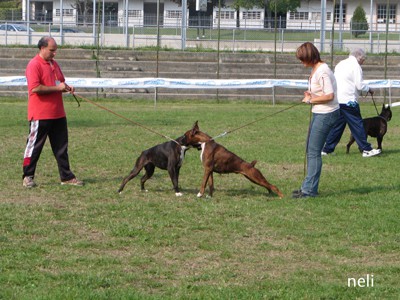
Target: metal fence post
183,33
133,37
234,40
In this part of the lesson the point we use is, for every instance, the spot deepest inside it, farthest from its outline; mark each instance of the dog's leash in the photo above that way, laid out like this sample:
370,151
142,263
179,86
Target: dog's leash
125,118
373,100
77,101
255,121
68,88
271,115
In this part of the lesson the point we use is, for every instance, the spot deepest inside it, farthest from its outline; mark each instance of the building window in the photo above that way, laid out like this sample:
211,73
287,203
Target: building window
252,15
337,13
66,12
381,13
173,14
226,15
134,13
298,15
317,16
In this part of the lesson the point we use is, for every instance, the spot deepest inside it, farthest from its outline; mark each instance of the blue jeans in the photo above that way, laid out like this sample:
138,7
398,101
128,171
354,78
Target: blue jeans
348,115
321,125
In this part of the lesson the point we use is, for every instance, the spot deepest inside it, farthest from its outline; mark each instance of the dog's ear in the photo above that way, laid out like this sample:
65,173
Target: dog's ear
195,128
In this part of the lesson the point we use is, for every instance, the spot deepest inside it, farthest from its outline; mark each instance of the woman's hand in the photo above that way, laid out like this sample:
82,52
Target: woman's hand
319,99
307,97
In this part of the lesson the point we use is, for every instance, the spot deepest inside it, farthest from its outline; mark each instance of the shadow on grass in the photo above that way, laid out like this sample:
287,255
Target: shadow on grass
362,190
389,152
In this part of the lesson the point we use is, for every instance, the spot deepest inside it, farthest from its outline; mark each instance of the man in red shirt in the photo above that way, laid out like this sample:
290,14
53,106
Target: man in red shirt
46,114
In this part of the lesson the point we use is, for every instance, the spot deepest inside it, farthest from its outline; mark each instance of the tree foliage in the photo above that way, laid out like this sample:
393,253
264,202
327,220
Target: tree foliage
247,4
215,3
7,6
282,6
359,24
10,4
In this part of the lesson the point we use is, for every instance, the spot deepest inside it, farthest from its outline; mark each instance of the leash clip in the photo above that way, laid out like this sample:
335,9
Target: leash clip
221,135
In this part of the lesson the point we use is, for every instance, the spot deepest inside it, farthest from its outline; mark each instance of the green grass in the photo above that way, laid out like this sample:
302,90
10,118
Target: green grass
60,242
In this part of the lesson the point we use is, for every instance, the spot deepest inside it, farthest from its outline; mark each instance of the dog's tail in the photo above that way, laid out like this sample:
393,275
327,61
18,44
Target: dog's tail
253,163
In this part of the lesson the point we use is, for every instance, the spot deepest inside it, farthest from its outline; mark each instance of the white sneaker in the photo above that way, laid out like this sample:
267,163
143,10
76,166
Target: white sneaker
28,182
326,153
371,153
73,181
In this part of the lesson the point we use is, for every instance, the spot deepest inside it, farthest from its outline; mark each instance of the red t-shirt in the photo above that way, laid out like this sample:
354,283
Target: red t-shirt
44,106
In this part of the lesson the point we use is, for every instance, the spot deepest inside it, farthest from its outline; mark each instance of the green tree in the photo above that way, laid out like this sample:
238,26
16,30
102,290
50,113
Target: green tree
358,23
7,7
10,4
281,7
246,4
214,3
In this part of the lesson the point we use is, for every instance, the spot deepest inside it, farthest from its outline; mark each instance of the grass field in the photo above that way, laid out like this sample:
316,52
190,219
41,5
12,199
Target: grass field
61,242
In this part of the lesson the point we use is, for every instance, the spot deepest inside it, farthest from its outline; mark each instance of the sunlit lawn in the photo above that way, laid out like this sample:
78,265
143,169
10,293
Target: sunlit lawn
60,242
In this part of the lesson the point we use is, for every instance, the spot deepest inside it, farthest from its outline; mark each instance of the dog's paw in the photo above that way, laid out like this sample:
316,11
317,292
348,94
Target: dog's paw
199,195
178,194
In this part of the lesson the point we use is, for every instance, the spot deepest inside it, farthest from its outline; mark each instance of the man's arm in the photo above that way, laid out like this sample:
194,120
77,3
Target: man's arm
43,89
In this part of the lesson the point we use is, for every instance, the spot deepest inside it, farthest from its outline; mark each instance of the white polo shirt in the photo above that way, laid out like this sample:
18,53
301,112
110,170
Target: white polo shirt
349,80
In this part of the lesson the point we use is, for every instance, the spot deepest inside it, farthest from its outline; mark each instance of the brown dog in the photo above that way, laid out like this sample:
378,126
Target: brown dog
217,158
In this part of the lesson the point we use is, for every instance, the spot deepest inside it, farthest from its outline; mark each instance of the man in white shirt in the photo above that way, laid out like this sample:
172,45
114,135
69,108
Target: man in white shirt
349,79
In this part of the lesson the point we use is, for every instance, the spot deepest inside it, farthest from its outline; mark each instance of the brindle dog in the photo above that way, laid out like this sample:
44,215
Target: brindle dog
216,158
166,156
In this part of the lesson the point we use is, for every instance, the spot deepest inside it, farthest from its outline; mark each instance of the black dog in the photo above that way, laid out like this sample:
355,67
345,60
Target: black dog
167,156
375,126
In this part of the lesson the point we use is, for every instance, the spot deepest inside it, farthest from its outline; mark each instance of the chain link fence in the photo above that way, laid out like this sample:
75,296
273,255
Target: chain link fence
201,34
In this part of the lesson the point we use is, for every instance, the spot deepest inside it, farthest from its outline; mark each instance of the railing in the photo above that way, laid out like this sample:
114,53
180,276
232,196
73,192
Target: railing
202,84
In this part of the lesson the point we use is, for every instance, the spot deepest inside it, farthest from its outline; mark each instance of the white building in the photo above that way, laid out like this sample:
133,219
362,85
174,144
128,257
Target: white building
309,14
143,12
